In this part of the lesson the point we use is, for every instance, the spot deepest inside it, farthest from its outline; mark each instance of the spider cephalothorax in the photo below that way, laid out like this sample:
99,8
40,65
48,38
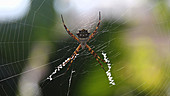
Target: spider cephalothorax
83,38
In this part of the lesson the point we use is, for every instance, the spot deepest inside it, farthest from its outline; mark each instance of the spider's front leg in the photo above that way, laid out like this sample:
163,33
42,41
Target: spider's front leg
73,57
96,56
65,62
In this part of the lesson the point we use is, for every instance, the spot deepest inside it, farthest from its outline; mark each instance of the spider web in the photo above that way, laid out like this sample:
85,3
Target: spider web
32,47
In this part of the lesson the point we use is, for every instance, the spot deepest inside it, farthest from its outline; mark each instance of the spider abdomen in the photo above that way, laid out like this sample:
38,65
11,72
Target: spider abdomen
83,34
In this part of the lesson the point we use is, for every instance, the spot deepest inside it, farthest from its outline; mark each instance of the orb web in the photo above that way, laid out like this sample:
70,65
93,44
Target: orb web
31,49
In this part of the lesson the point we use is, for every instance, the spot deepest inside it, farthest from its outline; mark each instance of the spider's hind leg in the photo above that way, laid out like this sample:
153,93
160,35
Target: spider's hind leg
95,31
68,31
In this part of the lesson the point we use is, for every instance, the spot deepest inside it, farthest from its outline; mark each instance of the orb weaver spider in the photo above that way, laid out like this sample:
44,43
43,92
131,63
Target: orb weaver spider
83,38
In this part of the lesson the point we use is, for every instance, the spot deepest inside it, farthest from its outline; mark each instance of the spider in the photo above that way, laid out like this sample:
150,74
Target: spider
83,38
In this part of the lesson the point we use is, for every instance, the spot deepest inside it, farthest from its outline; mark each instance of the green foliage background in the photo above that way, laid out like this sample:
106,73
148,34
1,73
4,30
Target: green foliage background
139,67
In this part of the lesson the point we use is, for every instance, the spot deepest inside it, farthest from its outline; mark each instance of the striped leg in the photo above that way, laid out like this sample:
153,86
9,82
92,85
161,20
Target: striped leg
68,31
73,57
94,33
64,63
96,56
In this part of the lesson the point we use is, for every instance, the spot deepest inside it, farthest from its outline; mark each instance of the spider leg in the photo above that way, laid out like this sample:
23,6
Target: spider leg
95,31
96,56
94,53
68,31
73,56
